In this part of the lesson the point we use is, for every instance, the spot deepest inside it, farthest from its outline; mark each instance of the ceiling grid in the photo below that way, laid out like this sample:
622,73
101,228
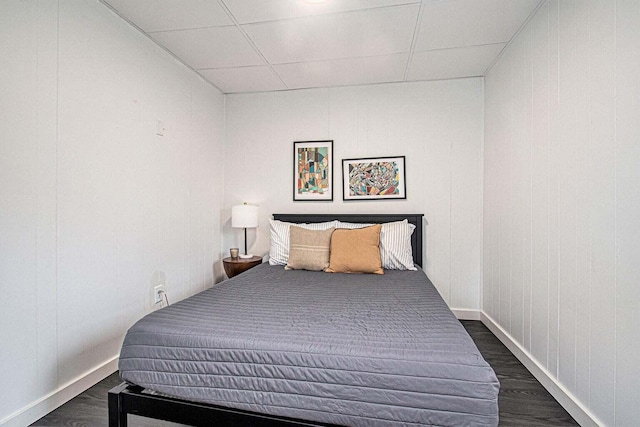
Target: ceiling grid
269,45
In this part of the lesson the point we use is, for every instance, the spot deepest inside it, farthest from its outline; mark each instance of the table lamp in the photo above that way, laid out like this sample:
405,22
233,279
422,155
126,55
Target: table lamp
244,216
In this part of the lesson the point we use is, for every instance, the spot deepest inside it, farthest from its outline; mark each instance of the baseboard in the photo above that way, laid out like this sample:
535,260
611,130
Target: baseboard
41,407
568,401
466,314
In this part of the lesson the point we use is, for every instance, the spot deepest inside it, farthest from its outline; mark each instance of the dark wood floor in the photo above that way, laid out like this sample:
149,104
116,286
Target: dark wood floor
522,400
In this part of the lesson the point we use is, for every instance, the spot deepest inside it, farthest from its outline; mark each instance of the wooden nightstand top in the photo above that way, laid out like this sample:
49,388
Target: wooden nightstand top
233,267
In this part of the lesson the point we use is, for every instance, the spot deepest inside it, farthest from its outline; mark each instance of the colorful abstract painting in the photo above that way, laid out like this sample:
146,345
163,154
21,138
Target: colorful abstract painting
374,178
313,175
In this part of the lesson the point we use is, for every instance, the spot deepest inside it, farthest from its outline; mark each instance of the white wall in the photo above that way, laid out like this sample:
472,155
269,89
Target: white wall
95,208
438,127
562,200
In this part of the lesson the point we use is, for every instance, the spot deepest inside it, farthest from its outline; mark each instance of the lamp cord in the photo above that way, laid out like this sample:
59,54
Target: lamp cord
164,297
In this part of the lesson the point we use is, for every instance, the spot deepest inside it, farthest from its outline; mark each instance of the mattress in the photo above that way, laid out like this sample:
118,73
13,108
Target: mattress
348,349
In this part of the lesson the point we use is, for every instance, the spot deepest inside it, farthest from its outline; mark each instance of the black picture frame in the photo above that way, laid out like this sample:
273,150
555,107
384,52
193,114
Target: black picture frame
374,178
313,171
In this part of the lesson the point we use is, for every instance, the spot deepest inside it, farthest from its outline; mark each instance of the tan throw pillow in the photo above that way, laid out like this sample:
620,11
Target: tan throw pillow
356,251
309,249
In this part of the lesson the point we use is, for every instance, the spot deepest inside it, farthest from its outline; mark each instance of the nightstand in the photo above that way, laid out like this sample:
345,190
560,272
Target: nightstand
233,267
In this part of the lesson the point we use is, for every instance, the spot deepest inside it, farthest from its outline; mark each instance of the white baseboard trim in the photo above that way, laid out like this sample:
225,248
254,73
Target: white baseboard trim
41,407
568,401
466,314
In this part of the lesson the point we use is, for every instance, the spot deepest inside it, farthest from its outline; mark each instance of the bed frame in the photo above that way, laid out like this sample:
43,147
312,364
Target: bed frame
127,398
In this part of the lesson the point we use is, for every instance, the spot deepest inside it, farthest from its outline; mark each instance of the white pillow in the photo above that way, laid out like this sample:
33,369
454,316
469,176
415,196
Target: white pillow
395,243
279,249
352,225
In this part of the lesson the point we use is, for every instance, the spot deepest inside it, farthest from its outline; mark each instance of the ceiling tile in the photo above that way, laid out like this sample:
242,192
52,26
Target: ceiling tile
452,63
213,47
334,43
342,72
270,10
163,15
459,23
353,34
243,79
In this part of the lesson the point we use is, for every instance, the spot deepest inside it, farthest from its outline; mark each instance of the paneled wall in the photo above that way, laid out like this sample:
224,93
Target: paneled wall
436,125
562,199
95,208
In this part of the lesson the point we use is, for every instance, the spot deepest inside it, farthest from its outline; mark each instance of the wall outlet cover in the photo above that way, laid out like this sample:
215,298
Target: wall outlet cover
157,294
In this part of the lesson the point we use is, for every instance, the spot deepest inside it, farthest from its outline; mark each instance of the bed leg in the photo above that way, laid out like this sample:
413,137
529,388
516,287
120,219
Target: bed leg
117,414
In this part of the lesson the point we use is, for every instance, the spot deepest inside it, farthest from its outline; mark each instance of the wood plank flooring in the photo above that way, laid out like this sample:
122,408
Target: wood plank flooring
522,400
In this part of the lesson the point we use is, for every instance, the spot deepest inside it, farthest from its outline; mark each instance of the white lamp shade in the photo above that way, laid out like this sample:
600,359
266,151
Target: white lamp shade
244,216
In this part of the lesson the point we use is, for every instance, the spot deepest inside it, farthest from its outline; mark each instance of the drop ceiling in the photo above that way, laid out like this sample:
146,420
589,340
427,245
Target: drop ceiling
269,45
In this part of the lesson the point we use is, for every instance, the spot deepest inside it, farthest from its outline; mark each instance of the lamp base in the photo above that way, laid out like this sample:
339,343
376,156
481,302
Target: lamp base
245,256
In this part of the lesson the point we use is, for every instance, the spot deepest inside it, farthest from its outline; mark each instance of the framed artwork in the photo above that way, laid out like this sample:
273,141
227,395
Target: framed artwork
374,178
313,170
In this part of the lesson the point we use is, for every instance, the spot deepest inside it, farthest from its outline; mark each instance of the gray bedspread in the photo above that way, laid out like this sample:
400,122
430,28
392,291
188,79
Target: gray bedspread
349,349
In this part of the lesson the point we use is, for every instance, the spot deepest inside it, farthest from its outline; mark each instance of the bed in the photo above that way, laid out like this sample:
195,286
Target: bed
276,347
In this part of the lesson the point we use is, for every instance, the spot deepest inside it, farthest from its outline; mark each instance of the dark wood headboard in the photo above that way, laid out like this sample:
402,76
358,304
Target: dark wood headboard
415,219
